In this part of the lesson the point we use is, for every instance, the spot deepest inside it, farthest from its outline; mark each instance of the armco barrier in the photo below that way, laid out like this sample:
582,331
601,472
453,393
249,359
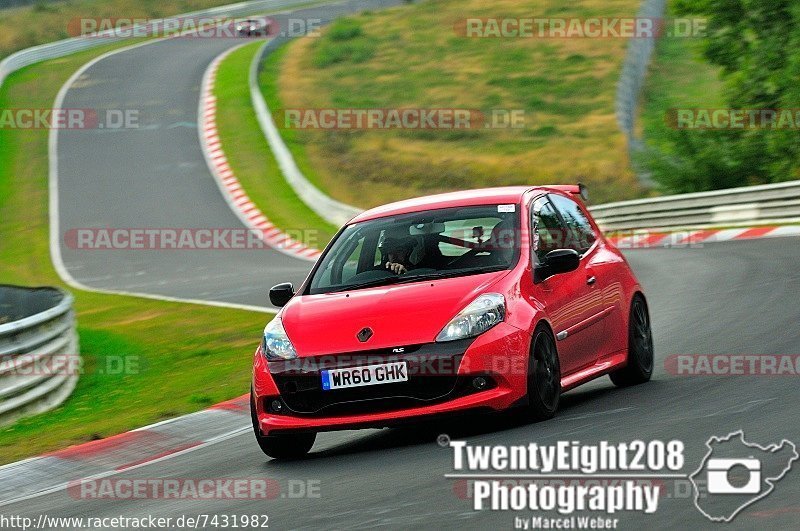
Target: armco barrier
39,359
329,209
747,206
629,87
631,80
66,47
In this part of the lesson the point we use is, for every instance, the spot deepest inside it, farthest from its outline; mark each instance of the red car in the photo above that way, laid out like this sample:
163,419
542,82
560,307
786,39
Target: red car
478,300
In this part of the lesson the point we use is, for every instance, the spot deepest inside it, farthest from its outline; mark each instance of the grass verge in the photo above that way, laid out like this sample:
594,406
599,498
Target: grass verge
412,57
180,358
252,160
678,77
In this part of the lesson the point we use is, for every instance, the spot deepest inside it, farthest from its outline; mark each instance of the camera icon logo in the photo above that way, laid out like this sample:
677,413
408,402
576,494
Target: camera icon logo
735,474
722,476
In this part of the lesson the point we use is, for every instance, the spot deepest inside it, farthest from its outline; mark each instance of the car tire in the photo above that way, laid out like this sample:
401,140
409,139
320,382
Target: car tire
285,446
640,347
544,375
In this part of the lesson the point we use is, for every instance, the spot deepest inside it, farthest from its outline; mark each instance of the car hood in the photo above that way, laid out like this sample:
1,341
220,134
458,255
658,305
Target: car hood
398,315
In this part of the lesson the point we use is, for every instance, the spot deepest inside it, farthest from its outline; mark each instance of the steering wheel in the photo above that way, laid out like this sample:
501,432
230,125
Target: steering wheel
469,254
371,274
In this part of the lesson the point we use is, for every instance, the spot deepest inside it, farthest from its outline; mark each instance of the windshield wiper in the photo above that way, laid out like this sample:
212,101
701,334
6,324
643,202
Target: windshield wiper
401,279
449,274
370,284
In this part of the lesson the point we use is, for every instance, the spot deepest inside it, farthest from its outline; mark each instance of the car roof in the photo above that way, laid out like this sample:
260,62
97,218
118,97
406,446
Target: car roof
484,196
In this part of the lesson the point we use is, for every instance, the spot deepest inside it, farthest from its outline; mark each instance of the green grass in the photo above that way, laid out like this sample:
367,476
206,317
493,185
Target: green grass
679,77
411,57
252,160
346,43
184,357
267,81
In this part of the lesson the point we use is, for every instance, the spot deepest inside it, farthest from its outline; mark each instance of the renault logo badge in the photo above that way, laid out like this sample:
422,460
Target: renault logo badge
364,334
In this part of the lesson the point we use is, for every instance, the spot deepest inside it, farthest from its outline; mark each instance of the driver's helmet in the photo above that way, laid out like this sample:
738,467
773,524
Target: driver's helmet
502,241
396,245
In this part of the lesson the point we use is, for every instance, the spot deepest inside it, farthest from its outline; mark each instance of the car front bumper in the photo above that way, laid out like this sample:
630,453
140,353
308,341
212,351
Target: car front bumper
500,356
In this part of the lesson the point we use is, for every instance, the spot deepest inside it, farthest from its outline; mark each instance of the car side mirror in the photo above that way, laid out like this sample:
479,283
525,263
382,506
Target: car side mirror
281,294
557,262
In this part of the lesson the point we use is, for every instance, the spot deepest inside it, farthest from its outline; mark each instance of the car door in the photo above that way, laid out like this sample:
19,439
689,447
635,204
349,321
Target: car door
571,302
603,290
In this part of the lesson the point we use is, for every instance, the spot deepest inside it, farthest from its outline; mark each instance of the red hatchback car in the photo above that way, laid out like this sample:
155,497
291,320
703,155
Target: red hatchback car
478,300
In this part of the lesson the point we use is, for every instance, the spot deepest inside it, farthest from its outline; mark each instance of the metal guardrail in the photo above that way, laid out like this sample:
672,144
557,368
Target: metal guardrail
39,358
631,80
329,209
335,212
746,206
759,204
53,50
629,87
39,352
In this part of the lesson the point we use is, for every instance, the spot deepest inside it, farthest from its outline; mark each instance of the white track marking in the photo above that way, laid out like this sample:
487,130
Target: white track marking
55,247
110,473
247,212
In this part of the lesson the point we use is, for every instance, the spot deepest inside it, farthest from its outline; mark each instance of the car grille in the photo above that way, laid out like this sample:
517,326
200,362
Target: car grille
432,377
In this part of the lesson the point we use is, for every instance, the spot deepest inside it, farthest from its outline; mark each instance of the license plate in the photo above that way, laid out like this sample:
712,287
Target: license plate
360,376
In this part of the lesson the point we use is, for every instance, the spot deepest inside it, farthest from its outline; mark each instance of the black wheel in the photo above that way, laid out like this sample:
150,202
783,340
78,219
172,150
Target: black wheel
544,375
286,446
640,347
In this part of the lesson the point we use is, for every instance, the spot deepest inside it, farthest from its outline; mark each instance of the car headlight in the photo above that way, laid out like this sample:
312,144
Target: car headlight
478,317
276,344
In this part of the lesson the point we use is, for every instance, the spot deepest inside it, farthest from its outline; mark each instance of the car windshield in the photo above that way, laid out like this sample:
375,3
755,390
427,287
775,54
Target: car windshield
420,246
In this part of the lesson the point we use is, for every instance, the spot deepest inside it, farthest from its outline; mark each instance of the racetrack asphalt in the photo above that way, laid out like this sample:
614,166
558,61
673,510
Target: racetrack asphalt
155,176
725,298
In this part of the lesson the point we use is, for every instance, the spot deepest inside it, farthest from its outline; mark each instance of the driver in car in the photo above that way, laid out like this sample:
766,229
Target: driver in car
397,253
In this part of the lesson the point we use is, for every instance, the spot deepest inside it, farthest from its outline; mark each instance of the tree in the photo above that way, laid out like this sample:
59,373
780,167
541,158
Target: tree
757,45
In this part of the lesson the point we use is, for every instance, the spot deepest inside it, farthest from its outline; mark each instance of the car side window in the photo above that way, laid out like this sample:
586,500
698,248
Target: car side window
579,234
549,230
350,267
346,266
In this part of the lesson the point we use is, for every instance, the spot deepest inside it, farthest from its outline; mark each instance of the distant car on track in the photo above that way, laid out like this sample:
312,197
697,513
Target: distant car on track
255,27
477,300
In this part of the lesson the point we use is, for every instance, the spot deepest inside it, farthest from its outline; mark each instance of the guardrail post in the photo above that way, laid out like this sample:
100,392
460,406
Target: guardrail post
39,353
